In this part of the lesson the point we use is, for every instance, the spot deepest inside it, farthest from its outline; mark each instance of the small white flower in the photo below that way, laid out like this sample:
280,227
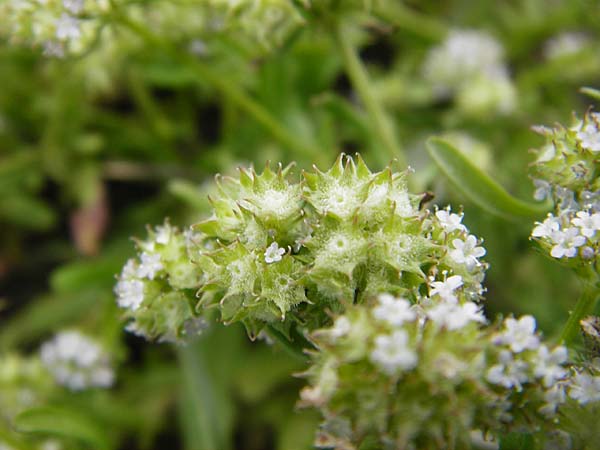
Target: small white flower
76,361
130,294
566,243
150,264
548,364
67,28
392,353
589,137
455,316
53,49
510,373
341,327
566,43
553,397
445,289
163,235
519,334
73,6
274,253
394,311
587,223
566,199
585,388
543,190
547,228
450,221
466,252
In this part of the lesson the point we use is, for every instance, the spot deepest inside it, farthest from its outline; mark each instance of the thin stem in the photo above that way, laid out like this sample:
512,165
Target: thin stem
360,80
585,305
410,20
292,350
228,89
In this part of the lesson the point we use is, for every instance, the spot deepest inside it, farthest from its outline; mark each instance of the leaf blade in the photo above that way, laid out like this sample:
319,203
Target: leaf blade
479,187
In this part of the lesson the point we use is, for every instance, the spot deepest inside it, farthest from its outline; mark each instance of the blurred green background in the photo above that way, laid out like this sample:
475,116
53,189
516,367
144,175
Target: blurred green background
100,143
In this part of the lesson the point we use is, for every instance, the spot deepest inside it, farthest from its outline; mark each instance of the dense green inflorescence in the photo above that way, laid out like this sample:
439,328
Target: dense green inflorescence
287,253
566,171
393,375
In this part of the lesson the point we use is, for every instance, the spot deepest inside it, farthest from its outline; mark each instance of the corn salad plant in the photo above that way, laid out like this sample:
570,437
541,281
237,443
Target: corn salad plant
337,251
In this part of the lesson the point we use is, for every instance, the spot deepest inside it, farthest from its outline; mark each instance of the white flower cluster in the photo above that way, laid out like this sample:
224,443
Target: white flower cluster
76,361
130,287
588,132
564,44
571,234
393,352
470,64
524,359
58,26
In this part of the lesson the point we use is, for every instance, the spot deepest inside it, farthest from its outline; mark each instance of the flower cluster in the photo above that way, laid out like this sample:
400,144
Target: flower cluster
76,361
566,172
469,64
58,26
282,253
157,289
389,373
24,383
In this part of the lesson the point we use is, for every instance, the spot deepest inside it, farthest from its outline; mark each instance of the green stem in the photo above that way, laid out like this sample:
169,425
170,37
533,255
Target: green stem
360,80
410,20
197,400
287,345
585,306
227,88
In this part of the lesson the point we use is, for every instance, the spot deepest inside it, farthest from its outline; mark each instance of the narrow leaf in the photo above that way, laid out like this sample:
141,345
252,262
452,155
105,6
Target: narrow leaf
478,186
63,423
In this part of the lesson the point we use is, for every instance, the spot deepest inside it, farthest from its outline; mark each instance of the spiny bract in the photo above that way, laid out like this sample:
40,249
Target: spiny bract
286,253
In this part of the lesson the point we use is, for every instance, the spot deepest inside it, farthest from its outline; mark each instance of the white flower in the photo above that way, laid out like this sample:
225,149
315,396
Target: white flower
149,265
543,190
274,253
53,49
445,289
510,373
566,43
73,6
394,311
589,137
392,353
130,294
67,27
566,243
585,388
450,221
566,199
587,223
553,397
76,361
455,316
466,252
547,228
548,364
519,334
163,235
463,56
341,327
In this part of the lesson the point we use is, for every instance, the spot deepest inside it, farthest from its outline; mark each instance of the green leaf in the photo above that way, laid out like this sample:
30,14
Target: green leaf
63,423
28,212
478,186
516,441
590,92
44,314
